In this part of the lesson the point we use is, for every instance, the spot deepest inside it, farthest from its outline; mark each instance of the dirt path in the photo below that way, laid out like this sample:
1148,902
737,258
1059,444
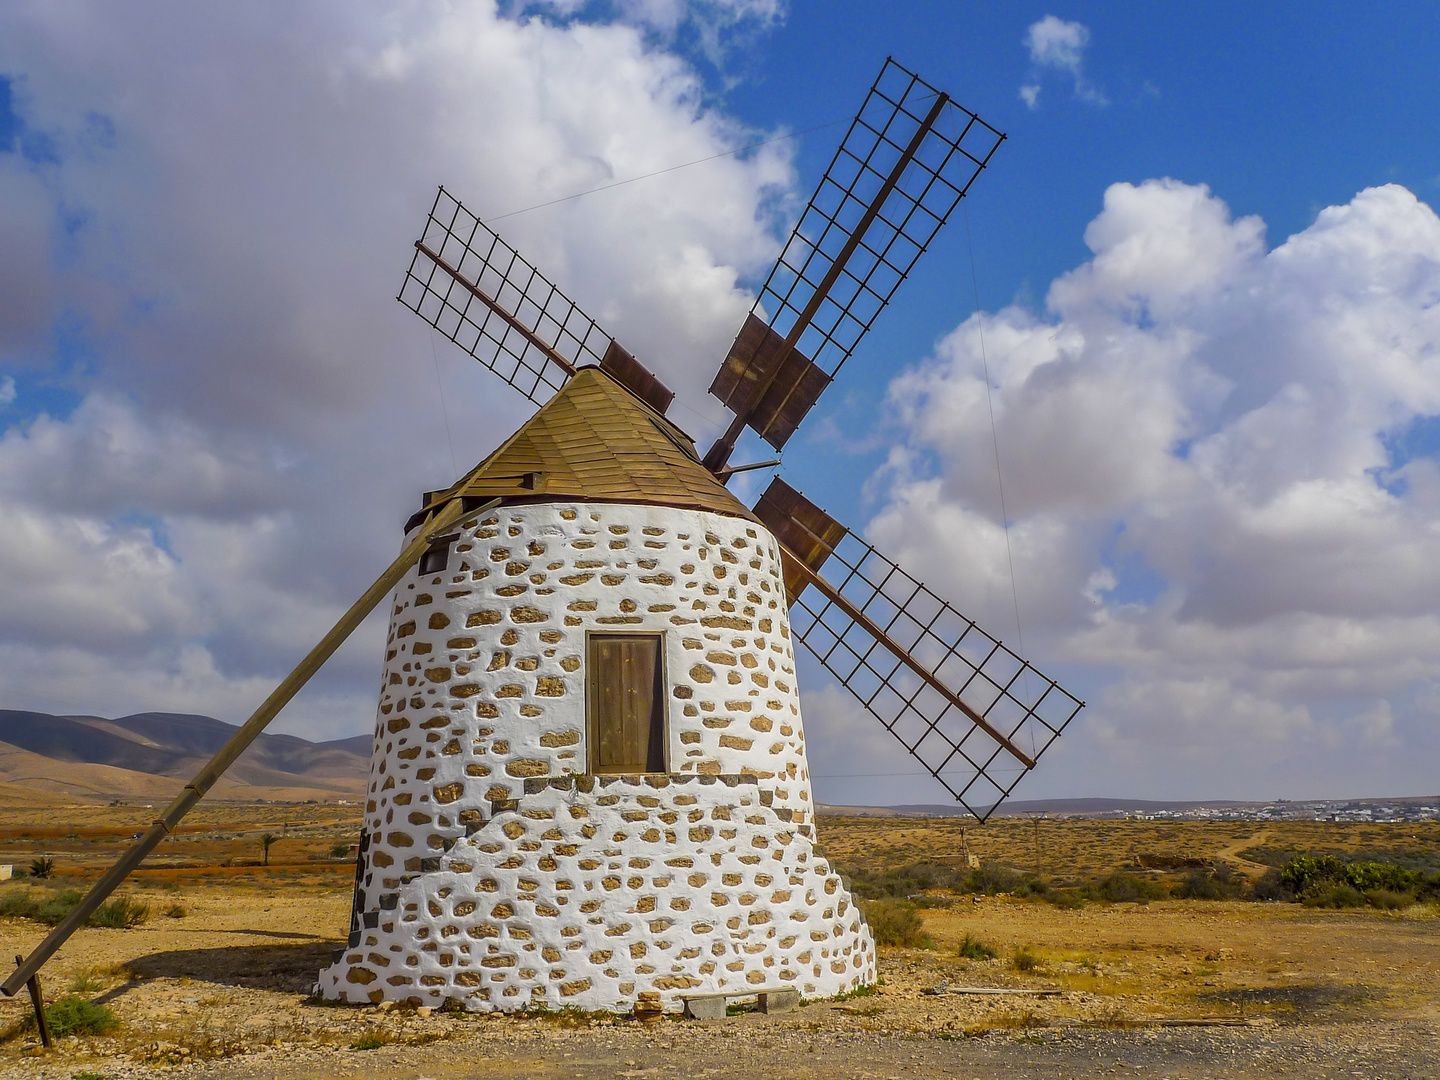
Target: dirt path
1231,852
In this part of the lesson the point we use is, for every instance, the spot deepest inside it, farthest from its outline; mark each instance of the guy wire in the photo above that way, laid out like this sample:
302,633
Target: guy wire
449,438
995,442
672,168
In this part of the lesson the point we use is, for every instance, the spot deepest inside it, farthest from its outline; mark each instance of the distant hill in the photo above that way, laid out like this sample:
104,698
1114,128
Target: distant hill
1106,807
1079,807
149,755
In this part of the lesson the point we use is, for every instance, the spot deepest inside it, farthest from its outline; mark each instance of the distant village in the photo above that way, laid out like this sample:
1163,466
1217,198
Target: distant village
1398,811
1410,809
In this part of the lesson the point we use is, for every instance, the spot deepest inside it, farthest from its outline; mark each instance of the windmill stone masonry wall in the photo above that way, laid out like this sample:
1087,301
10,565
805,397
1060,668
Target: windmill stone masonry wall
502,874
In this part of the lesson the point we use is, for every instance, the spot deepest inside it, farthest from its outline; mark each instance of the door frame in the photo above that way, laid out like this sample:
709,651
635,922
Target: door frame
591,743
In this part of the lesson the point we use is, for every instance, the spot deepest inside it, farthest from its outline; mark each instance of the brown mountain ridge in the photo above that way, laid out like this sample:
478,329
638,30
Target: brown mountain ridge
151,754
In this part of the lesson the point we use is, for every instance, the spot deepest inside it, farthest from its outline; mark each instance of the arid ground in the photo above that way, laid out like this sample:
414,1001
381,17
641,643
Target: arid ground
215,981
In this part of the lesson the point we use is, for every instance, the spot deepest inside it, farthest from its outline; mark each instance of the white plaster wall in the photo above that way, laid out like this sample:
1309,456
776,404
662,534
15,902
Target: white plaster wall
484,690
496,644
593,892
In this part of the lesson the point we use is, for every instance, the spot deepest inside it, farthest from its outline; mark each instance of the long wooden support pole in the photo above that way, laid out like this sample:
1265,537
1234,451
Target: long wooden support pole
494,305
192,793
834,596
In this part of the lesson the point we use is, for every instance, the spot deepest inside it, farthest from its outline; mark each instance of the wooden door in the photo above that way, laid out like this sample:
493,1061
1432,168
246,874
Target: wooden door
625,702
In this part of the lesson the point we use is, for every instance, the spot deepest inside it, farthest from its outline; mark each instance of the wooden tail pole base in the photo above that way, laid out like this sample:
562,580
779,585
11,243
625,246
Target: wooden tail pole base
446,515
37,998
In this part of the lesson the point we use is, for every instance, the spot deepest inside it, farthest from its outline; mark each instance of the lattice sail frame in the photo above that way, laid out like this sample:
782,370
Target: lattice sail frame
487,263
1027,707
951,156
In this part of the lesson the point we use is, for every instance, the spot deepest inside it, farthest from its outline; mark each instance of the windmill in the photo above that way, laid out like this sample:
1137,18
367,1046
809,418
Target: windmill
589,784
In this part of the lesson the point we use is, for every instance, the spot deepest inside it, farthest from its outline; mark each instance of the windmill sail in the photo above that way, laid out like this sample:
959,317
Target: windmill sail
478,291
909,157
974,713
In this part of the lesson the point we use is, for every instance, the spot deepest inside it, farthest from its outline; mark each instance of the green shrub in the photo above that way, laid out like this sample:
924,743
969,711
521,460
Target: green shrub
42,866
340,850
915,881
1302,874
894,922
926,900
1066,899
17,903
1031,886
991,878
1121,888
1430,890
1023,960
972,948
372,1040
84,984
1327,881
1334,895
1387,900
53,907
1205,884
120,912
73,1015
1367,876
1271,886
902,882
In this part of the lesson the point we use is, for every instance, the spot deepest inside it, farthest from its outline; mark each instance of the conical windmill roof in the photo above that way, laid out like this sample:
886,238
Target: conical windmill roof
594,441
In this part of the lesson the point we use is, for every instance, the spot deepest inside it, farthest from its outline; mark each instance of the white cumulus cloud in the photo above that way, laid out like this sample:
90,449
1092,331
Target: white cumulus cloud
1058,45
214,234
1212,524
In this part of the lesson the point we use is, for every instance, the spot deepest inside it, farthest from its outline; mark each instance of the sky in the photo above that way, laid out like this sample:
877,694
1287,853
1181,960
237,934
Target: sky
1186,328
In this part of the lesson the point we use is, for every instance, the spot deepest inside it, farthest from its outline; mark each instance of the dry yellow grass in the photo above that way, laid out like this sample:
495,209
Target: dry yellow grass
229,978
1075,849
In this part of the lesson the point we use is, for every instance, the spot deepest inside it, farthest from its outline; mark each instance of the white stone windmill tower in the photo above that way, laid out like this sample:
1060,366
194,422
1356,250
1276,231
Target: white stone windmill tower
589,782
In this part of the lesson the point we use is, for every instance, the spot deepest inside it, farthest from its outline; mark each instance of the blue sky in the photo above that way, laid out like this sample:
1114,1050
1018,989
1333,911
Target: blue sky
1208,275
1281,109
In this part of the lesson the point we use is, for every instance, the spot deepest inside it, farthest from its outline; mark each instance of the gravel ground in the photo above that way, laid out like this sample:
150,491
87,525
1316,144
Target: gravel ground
176,1025
1277,991
767,1047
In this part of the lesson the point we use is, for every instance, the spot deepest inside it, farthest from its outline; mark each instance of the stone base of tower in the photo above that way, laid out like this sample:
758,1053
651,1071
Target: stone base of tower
589,891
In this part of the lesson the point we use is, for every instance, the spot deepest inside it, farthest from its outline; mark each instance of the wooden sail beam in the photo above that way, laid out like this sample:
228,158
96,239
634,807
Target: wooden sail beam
193,792
874,630
494,305
719,454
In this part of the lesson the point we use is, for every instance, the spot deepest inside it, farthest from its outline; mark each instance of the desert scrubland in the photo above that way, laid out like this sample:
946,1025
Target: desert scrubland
1109,973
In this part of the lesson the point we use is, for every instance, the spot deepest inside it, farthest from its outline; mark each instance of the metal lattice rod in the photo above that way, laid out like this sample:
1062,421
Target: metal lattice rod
474,288
954,148
1024,707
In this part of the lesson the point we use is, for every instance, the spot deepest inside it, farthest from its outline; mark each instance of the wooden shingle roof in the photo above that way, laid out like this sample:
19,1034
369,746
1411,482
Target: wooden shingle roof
594,441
